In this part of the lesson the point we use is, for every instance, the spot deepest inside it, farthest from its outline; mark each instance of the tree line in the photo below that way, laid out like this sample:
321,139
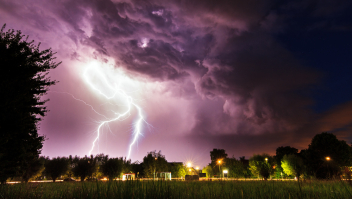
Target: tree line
318,161
325,158
98,167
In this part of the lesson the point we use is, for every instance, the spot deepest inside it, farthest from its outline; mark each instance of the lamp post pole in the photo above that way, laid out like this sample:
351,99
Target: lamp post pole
219,168
155,166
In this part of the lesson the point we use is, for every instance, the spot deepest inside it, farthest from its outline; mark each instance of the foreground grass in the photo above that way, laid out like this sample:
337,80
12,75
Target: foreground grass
184,190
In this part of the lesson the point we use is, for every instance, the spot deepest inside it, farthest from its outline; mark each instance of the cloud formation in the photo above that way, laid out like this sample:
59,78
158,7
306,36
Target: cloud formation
214,70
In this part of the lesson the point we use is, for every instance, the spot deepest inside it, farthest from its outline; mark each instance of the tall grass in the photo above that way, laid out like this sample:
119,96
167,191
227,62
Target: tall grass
184,190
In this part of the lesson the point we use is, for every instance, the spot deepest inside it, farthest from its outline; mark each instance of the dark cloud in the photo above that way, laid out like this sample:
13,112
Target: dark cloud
245,86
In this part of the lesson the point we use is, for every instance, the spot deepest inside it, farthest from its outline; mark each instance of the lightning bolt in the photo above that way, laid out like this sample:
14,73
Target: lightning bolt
102,86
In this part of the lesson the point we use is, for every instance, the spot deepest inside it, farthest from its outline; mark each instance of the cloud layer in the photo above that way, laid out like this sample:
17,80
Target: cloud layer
213,74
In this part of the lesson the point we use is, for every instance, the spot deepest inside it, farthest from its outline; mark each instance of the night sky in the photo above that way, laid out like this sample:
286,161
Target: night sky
244,76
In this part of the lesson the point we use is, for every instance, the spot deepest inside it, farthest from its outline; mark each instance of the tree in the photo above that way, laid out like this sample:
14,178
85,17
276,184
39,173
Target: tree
112,167
177,170
127,166
33,169
208,171
84,167
262,165
217,155
293,165
326,155
23,81
280,153
56,167
236,169
154,162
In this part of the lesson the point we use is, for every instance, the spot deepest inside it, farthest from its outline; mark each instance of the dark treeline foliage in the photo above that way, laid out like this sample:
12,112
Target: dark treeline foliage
99,167
112,167
154,162
318,161
326,158
23,80
56,167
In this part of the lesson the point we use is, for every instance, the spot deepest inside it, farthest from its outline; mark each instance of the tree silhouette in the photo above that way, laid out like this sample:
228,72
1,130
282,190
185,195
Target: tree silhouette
56,167
154,162
326,155
23,81
84,167
111,167
217,155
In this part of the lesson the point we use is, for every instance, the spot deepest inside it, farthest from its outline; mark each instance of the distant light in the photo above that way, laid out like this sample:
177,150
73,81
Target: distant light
197,168
189,164
225,171
156,158
327,158
190,169
266,159
219,161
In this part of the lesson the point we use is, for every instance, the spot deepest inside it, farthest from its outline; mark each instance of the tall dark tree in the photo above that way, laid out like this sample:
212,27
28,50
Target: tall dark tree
34,168
23,81
154,162
218,160
84,167
111,167
282,151
326,155
236,168
127,166
178,170
56,167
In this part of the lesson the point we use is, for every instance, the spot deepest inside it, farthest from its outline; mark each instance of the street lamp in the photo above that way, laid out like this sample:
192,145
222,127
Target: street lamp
197,168
189,165
219,161
327,158
155,166
266,159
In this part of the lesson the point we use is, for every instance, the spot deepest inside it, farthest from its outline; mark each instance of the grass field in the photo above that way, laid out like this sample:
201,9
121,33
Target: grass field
184,190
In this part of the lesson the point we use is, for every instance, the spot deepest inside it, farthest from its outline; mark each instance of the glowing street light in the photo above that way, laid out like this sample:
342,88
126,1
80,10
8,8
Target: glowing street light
266,159
327,158
189,164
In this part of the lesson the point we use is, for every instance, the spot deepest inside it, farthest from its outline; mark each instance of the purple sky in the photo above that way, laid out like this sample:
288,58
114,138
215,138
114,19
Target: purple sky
244,76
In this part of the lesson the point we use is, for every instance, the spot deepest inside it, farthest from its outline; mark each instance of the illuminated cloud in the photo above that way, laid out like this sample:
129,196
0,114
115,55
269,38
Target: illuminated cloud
205,73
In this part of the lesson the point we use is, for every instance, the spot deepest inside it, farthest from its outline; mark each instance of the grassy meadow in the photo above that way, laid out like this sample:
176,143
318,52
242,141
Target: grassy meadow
179,189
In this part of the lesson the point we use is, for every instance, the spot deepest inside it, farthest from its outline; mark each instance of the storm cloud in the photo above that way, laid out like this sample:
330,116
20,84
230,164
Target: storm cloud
219,75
